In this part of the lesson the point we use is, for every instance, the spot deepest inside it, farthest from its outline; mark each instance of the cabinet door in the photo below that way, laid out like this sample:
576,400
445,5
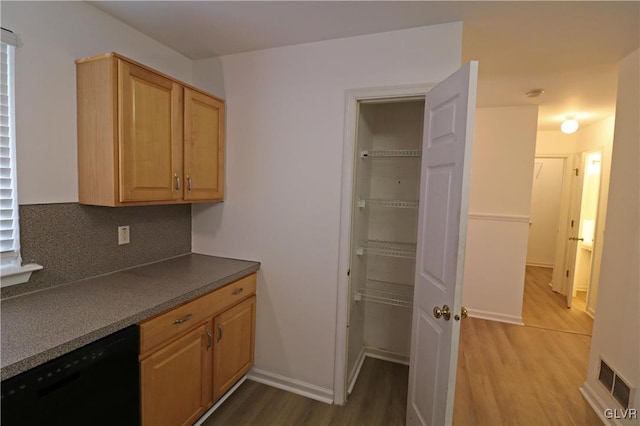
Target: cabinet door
203,147
233,348
150,135
174,380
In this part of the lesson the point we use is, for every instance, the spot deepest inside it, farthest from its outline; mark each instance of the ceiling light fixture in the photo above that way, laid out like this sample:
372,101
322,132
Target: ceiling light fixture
569,125
534,93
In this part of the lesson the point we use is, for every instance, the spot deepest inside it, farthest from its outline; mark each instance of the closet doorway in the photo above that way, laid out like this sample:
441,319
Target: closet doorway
378,175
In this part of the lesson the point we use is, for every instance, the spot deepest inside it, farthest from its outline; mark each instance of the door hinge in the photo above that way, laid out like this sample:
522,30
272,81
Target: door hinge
577,170
572,223
567,273
348,272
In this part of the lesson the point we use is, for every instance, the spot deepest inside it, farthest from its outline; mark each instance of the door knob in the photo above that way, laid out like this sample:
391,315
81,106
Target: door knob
463,313
444,312
575,239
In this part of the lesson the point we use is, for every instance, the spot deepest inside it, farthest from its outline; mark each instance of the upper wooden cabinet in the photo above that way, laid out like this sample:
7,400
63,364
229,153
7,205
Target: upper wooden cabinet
144,137
203,127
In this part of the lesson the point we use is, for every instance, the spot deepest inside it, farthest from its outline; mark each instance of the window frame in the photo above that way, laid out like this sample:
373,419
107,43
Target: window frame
12,271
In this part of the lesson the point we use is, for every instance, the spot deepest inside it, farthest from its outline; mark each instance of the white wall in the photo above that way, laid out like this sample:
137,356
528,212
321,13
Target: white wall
616,330
501,176
54,35
550,142
284,161
207,75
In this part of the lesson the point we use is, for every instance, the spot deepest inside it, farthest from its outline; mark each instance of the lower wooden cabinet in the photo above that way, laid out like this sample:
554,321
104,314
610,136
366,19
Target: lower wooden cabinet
191,355
233,349
176,385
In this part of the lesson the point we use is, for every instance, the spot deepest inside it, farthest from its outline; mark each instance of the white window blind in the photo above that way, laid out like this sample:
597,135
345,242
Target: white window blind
9,230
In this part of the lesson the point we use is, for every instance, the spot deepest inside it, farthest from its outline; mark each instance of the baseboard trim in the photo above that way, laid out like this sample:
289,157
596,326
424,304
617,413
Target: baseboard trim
211,410
591,312
355,372
291,385
597,404
386,356
493,316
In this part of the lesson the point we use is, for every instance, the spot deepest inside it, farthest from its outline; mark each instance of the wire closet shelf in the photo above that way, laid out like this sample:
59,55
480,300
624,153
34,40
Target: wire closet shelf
386,153
396,204
387,293
388,248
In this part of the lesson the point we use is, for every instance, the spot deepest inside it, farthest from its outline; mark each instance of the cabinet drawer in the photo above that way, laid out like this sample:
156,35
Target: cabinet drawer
170,324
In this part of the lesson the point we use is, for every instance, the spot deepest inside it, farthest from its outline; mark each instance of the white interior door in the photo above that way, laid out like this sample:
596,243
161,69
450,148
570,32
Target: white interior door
573,228
546,200
442,228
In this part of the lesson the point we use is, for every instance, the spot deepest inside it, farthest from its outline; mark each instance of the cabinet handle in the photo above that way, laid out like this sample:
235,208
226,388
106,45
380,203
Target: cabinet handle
209,340
188,183
219,332
238,291
184,319
175,175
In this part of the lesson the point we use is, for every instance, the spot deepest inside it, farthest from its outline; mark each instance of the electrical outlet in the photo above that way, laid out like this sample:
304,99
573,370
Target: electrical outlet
123,235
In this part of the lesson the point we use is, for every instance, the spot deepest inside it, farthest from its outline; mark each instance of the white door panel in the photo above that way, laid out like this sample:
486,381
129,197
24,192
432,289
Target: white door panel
442,218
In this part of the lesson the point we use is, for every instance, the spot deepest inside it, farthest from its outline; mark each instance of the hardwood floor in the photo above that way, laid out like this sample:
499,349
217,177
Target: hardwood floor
379,398
507,375
514,375
544,308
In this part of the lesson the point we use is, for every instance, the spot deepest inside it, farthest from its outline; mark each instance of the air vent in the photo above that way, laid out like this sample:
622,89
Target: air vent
622,392
616,386
606,375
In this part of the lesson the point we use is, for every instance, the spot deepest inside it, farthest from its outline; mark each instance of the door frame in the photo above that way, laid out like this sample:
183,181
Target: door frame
571,285
596,258
557,281
352,97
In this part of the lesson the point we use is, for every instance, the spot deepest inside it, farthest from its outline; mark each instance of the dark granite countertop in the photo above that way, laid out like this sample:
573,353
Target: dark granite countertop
40,326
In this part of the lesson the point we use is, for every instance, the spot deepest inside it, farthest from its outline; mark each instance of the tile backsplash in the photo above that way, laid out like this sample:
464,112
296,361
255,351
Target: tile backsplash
73,241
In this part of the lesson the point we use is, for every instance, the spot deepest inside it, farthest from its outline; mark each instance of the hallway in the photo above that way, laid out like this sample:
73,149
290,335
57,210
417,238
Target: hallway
543,308
509,374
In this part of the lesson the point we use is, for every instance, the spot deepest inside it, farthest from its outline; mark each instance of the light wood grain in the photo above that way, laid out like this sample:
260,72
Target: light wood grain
149,118
96,94
514,375
233,348
175,384
131,130
203,147
544,308
162,328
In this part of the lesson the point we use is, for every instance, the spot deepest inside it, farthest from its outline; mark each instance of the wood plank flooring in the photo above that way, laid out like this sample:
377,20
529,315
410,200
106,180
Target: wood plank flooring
514,375
379,398
544,308
507,375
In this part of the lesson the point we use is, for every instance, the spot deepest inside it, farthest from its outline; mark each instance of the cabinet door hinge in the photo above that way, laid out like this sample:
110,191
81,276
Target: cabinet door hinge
567,273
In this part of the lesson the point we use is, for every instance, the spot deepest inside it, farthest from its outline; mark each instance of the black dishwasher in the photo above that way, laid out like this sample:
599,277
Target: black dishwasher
97,384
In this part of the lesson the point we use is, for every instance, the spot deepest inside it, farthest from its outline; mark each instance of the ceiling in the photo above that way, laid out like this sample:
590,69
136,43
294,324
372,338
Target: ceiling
571,49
